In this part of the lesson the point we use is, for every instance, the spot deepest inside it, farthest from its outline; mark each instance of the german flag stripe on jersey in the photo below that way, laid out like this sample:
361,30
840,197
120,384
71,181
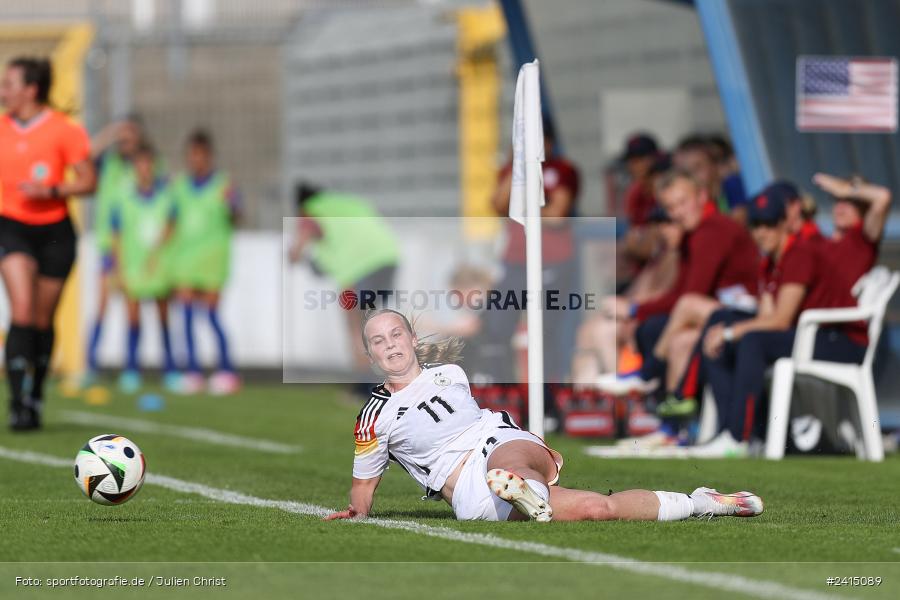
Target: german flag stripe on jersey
365,422
364,431
364,448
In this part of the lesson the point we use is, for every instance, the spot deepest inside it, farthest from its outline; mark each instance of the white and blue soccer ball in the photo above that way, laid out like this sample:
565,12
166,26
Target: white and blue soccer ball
110,469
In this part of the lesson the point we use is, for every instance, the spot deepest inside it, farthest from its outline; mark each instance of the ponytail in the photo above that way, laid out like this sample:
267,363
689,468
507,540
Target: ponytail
445,351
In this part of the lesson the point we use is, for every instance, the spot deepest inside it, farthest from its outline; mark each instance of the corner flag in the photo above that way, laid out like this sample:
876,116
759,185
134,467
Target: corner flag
527,139
525,201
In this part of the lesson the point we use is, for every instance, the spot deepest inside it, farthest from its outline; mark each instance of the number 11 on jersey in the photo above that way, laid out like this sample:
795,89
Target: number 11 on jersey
436,400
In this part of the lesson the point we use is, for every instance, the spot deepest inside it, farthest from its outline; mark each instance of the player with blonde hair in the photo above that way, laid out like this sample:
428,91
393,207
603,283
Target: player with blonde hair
424,417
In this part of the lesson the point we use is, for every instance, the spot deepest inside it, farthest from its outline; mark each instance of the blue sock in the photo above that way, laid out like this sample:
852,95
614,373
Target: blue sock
192,365
94,345
169,365
224,360
134,338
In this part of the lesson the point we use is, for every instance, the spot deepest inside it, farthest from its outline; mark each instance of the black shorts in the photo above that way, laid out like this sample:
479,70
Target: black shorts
52,245
382,279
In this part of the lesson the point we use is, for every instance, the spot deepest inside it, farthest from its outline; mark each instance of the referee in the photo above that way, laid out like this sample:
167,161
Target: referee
37,240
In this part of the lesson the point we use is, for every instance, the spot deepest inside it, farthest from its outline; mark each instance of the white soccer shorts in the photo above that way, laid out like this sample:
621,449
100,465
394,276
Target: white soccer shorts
472,498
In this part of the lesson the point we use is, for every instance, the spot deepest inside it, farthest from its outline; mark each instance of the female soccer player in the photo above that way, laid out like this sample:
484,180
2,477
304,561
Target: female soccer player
424,417
37,241
142,227
208,206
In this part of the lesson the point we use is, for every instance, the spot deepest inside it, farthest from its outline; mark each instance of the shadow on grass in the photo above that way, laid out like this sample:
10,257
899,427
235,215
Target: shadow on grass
416,514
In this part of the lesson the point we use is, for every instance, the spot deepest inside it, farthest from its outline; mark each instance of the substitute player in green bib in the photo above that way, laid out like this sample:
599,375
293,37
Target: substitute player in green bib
208,206
113,150
142,223
346,239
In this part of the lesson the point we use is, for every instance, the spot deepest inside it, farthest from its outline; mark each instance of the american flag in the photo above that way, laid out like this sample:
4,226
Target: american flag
849,94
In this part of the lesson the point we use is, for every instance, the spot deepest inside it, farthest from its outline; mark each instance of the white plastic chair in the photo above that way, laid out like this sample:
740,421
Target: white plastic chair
873,291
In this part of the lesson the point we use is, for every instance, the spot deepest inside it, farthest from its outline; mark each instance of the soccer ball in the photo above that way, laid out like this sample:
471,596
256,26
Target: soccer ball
110,469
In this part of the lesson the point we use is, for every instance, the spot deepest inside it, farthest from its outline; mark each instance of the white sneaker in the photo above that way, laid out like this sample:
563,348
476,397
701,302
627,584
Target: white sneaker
512,488
621,386
709,502
721,446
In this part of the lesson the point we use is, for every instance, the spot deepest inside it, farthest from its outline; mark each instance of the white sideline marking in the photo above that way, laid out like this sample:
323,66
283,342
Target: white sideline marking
719,581
635,451
189,433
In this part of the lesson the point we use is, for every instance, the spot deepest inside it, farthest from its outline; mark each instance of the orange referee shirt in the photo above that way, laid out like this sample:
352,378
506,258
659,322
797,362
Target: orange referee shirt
39,152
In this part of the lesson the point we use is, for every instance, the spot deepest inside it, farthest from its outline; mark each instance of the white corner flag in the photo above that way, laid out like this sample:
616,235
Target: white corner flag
525,201
527,140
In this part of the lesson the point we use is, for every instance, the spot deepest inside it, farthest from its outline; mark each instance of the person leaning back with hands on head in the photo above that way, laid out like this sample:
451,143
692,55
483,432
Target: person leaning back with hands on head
859,214
424,417
37,240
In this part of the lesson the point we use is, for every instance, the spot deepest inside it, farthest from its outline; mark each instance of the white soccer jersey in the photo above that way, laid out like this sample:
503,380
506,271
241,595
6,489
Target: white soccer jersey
427,427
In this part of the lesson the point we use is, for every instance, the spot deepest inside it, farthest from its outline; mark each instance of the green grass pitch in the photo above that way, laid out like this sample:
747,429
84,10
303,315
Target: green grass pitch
825,517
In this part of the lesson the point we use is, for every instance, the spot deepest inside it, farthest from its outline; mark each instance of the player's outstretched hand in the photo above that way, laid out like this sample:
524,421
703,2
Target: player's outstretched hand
350,513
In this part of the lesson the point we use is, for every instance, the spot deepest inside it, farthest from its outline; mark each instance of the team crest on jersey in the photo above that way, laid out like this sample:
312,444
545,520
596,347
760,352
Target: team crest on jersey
40,171
441,380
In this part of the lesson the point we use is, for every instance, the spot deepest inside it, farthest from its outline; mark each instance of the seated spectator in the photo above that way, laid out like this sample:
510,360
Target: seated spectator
660,272
729,174
640,157
605,342
681,400
561,185
694,154
718,260
796,275
860,212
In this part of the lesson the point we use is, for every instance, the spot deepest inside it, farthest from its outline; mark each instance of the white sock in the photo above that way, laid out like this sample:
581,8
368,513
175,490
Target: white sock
674,506
539,488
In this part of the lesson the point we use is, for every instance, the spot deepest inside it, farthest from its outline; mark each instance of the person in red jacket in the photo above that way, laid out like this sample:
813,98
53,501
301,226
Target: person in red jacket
796,275
684,384
718,261
859,214
640,154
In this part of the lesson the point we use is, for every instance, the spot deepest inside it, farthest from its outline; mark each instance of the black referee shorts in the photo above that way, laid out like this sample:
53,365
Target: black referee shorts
52,245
